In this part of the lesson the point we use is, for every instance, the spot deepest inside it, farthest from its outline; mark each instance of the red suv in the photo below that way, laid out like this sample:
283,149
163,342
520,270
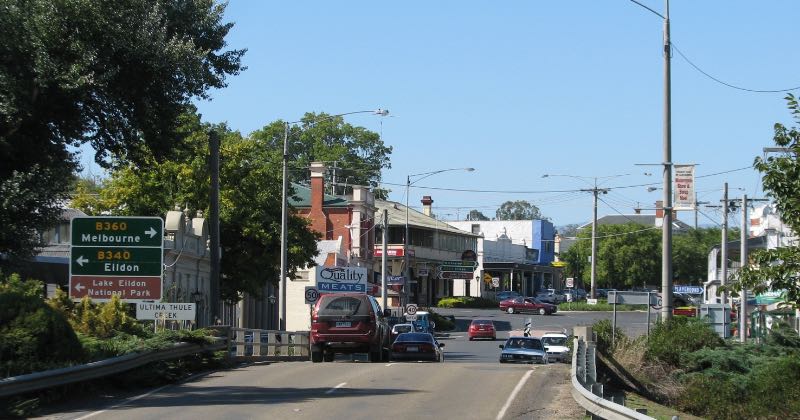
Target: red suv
348,323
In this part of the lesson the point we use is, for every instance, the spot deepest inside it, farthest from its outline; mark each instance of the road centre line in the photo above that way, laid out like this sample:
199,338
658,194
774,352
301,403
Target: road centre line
514,393
330,391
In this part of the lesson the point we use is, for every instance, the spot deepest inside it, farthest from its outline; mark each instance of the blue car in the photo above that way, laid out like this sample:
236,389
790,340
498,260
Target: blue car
523,350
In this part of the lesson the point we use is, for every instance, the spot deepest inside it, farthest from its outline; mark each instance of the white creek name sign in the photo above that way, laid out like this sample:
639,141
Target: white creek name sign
166,311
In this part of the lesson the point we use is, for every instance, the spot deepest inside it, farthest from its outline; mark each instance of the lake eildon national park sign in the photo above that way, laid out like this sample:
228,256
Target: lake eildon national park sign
122,256
341,279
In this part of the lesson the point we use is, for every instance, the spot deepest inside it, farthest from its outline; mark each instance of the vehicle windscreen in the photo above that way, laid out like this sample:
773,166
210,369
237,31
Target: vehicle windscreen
342,306
415,337
523,343
399,329
555,341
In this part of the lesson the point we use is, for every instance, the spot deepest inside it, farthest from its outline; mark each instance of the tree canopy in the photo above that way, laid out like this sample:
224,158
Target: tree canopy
779,269
630,256
476,215
354,155
117,75
250,203
518,210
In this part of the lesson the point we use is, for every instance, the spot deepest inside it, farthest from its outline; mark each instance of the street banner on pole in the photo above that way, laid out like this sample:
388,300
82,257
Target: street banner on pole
684,188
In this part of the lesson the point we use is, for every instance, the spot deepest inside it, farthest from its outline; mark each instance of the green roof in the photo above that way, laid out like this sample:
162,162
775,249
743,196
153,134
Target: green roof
302,198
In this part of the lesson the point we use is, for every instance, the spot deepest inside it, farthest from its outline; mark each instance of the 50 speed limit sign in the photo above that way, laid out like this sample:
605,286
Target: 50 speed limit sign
312,294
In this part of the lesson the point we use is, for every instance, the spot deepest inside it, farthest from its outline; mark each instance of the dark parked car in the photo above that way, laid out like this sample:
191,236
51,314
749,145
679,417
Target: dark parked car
417,346
348,323
528,304
523,350
501,296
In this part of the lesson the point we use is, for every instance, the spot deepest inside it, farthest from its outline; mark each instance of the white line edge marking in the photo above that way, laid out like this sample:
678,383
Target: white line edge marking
124,402
514,394
330,391
389,364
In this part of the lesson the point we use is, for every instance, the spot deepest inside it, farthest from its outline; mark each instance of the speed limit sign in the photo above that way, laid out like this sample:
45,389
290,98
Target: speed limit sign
570,282
312,294
411,309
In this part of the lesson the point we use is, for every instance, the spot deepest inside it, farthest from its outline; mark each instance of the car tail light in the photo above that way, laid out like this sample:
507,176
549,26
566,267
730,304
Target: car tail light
397,348
426,347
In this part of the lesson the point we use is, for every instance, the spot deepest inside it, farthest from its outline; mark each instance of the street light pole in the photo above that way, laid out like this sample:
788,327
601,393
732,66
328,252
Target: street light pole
594,242
666,240
406,239
284,209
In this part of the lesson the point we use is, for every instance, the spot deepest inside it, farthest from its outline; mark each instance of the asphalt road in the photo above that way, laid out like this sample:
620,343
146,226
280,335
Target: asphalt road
470,384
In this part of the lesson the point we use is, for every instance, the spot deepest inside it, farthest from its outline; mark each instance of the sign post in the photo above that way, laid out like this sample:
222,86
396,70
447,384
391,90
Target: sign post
121,256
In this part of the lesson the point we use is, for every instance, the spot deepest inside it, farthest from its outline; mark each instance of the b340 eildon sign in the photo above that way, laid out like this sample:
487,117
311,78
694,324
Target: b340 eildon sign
121,256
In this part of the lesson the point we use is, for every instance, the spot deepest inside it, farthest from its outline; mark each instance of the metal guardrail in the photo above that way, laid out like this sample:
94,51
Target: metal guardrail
56,377
588,393
270,345
240,344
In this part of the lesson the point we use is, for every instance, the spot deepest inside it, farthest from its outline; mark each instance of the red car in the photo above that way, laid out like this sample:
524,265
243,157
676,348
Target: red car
481,328
528,304
348,323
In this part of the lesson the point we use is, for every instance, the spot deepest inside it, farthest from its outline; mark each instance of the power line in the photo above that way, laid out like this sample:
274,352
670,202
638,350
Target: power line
672,44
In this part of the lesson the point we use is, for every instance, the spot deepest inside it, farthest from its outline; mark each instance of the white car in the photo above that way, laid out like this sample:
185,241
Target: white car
555,343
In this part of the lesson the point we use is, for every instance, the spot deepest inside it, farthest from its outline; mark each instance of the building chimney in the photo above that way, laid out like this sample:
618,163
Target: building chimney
659,209
426,205
317,216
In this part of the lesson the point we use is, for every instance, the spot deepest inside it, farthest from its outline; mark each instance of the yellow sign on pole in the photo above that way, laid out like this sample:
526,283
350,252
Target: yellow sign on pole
487,278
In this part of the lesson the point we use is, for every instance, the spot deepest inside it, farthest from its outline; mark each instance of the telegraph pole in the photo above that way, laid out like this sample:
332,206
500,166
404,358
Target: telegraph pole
383,255
742,264
666,237
593,263
724,265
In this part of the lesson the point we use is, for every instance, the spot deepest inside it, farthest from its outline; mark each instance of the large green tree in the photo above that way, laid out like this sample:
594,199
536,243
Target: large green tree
630,255
250,202
476,215
117,75
779,269
354,155
518,210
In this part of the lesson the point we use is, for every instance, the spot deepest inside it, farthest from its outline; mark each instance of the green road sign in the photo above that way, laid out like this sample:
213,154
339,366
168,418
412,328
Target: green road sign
116,261
117,231
121,256
457,268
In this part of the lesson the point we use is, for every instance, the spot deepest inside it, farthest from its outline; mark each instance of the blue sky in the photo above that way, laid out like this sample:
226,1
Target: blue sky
518,89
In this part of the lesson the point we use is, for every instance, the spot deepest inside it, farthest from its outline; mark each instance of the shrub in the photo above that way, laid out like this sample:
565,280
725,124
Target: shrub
442,323
680,335
99,320
33,336
466,302
604,340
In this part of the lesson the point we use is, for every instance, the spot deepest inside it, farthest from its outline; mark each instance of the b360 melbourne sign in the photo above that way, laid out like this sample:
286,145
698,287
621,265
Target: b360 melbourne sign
341,279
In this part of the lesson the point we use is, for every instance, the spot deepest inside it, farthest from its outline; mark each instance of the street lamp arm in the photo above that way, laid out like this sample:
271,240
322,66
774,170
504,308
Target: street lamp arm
427,174
380,111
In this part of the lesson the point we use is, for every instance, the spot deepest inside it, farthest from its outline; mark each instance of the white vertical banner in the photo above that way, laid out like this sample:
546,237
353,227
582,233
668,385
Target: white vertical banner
684,188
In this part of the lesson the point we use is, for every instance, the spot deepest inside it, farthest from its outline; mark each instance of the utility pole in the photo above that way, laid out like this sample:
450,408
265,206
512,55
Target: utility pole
213,144
383,255
593,263
696,205
742,263
666,237
724,255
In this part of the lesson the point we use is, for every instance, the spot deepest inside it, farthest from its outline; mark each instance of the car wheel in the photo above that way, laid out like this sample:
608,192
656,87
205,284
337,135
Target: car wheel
328,356
316,356
542,311
471,338
510,310
374,355
494,338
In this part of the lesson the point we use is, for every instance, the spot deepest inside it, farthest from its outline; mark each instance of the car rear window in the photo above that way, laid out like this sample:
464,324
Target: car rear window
402,328
481,322
343,305
555,341
415,337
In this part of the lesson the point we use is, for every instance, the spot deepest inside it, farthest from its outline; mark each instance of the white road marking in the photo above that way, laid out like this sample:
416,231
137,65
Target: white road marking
330,391
514,394
124,402
389,364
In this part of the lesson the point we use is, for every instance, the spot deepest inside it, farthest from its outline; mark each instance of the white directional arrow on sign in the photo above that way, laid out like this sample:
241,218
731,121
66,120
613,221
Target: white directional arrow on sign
152,232
79,287
81,261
